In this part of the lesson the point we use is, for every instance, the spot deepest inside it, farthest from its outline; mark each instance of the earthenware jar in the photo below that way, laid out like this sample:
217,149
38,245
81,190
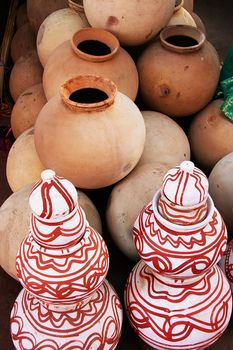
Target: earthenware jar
179,73
133,22
62,264
95,134
91,51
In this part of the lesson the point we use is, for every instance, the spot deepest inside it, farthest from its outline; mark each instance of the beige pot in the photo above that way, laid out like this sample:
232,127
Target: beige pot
181,16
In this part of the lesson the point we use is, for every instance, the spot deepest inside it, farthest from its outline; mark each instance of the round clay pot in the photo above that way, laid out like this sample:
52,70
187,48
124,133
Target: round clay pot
172,71
91,51
23,165
24,40
95,134
166,141
221,189
38,10
27,108
133,22
127,198
188,5
21,15
27,71
211,135
199,23
55,29
181,16
15,217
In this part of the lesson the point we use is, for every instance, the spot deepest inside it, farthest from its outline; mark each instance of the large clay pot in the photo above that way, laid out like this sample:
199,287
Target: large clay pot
23,164
221,188
91,51
95,134
211,135
126,200
38,10
173,69
181,15
23,41
27,71
166,142
133,22
55,29
21,15
27,108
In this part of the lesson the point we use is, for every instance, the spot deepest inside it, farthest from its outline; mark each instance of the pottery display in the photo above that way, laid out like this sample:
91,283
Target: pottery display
166,141
175,295
21,15
23,165
27,71
62,264
23,41
91,51
221,188
27,108
172,70
226,264
58,27
211,135
133,22
95,134
181,15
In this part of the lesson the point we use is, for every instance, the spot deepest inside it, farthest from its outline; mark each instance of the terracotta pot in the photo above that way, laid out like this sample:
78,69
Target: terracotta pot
210,135
21,15
23,165
221,189
172,71
93,128
133,22
162,145
27,71
188,5
126,200
55,29
181,15
91,51
38,10
27,108
24,40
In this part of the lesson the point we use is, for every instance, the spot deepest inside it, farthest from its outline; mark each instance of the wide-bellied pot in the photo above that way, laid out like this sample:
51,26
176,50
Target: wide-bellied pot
91,51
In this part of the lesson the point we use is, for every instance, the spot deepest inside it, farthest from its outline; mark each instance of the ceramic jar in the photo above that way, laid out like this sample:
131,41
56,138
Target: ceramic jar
62,264
95,134
133,22
179,73
91,51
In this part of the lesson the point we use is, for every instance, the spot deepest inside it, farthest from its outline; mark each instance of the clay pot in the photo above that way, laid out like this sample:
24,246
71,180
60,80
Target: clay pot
181,16
55,29
27,71
23,165
221,188
38,10
91,51
199,23
172,71
23,41
188,5
211,135
133,22
27,108
166,142
126,200
21,15
15,217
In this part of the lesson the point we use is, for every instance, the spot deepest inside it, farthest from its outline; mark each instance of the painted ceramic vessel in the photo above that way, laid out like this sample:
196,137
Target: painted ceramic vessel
62,264
226,263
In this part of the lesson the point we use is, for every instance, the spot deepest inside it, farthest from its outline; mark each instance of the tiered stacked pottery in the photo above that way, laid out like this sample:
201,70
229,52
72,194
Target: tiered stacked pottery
176,296
62,264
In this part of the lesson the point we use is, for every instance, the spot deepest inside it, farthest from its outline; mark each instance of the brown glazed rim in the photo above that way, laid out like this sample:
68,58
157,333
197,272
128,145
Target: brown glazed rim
181,29
95,34
88,81
178,5
76,5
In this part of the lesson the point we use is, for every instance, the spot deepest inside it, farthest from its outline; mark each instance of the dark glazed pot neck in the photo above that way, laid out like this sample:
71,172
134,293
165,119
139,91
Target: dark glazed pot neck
182,38
101,37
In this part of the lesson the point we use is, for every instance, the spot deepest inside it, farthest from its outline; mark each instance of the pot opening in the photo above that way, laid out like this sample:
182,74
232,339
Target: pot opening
181,40
88,95
94,47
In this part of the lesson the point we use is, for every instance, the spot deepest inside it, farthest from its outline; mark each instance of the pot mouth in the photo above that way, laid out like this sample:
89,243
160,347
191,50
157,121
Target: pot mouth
76,5
95,44
88,93
182,38
178,4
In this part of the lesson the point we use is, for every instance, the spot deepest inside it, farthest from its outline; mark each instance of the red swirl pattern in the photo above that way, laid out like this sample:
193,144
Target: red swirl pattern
179,254
97,325
179,316
67,275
